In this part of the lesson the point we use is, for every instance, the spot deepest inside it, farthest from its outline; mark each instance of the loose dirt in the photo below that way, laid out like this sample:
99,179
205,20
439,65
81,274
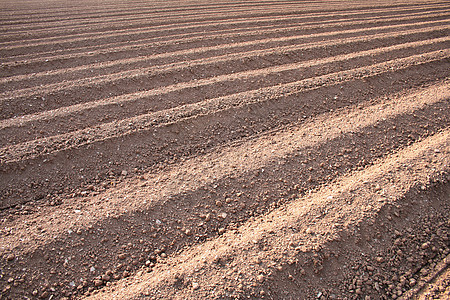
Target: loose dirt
224,150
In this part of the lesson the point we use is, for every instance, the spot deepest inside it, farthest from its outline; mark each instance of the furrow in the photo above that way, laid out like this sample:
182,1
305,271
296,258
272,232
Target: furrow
90,67
52,88
221,259
130,145
246,21
104,40
131,10
147,121
30,36
87,113
272,8
260,151
44,62
226,149
209,13
181,187
195,8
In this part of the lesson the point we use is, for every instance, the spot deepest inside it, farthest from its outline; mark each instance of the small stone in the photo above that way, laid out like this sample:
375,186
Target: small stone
221,230
188,232
379,259
122,256
425,246
10,257
195,285
125,274
218,203
106,277
309,231
260,278
124,173
98,282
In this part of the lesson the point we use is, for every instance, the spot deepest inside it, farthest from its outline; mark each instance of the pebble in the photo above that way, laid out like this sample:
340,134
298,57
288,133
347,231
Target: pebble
260,278
195,285
10,257
106,277
425,246
98,282
122,256
379,259
124,173
221,230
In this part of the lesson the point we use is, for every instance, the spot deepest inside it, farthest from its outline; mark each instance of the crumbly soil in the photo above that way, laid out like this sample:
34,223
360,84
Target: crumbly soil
224,149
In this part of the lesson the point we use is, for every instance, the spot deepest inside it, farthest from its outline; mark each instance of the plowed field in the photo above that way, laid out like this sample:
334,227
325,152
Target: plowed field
224,149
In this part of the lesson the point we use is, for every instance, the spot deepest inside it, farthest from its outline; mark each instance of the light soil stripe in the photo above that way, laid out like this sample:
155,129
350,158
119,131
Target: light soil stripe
227,161
125,32
243,20
157,12
164,18
48,115
145,10
33,149
308,10
33,91
132,10
239,32
288,224
132,7
95,50
206,36
205,61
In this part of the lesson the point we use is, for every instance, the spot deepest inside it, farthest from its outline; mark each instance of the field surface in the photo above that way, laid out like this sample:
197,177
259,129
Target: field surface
224,149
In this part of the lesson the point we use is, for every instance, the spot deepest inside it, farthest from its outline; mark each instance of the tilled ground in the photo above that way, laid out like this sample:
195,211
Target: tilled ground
224,150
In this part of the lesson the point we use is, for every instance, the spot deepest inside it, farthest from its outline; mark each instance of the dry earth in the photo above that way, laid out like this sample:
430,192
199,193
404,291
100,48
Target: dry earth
224,149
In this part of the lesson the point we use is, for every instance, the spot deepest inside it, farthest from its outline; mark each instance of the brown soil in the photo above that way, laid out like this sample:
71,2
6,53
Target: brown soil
224,150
